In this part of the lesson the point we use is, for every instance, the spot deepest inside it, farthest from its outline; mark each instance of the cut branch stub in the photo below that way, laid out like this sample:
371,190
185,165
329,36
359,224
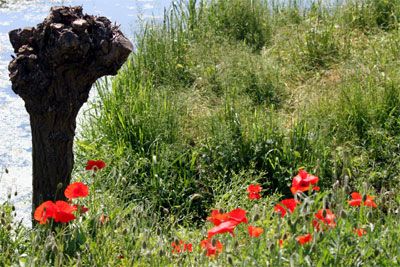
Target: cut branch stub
55,66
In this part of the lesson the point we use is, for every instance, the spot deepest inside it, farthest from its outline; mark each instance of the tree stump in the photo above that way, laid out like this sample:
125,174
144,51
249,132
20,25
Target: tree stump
55,66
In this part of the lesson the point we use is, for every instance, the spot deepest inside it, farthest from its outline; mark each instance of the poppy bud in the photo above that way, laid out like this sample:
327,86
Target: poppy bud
59,186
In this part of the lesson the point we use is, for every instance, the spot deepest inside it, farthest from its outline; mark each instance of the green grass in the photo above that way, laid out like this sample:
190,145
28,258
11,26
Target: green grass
227,93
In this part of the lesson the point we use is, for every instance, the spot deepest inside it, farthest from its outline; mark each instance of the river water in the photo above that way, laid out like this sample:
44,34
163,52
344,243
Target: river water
15,134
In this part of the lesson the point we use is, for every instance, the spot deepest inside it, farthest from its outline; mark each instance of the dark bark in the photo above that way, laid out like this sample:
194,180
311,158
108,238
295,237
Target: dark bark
55,66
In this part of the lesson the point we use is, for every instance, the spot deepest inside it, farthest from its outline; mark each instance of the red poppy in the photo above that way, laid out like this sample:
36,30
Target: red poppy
357,200
45,211
179,247
64,212
217,218
188,247
325,216
360,231
303,181
286,204
238,215
95,165
76,190
254,191
280,242
255,231
213,248
60,211
303,239
369,202
225,227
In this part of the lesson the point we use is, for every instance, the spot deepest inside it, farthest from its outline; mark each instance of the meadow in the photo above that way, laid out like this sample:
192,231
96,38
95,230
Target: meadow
217,110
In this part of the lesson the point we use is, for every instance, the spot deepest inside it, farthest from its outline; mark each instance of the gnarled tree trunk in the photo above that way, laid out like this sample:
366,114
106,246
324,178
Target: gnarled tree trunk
55,66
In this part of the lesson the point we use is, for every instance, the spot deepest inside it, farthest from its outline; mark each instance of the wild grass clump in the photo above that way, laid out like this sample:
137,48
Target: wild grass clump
367,15
247,21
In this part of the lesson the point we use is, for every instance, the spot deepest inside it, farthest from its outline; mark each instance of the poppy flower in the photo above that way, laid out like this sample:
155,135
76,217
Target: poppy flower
64,212
360,231
303,181
188,247
254,191
95,165
225,227
357,200
45,211
217,218
255,231
213,247
179,247
325,217
238,215
286,204
60,211
280,243
76,190
303,239
369,202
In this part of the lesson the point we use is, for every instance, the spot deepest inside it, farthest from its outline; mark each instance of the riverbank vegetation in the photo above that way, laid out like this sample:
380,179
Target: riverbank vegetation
224,95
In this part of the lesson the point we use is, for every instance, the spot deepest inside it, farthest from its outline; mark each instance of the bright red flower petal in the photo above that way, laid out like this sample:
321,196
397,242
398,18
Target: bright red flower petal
212,249
64,212
356,199
255,231
95,165
280,209
217,218
326,217
286,204
360,232
225,227
45,211
254,191
76,190
303,239
188,247
369,202
303,181
254,188
253,196
238,215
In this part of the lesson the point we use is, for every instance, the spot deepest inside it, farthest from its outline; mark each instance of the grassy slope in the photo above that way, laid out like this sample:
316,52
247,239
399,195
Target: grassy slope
227,94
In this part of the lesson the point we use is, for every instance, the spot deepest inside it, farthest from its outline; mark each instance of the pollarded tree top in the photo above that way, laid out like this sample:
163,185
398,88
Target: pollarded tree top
60,59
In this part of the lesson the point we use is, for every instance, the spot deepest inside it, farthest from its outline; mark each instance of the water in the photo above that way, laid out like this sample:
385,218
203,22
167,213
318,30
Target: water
15,134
